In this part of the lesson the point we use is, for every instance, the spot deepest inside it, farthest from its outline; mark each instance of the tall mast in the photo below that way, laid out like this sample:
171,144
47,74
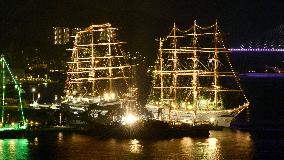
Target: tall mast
190,74
195,71
175,64
77,63
174,69
94,69
93,64
216,87
161,69
109,62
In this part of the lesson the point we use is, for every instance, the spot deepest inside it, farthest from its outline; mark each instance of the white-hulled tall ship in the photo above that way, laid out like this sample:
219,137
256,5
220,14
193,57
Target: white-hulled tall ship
193,79
99,75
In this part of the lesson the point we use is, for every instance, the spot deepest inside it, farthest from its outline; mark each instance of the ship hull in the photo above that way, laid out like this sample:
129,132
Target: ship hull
148,130
222,118
100,113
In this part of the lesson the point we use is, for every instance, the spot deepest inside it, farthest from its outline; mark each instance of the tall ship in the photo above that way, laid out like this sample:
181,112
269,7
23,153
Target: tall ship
193,79
100,90
99,77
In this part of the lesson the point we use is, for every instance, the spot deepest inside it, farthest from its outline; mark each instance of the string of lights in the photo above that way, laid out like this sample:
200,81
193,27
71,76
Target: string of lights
98,63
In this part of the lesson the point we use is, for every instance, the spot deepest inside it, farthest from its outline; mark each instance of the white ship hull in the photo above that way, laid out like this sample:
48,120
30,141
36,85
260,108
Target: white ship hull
222,118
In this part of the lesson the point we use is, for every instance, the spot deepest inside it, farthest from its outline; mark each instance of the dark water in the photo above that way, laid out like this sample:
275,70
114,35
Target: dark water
227,144
220,145
266,96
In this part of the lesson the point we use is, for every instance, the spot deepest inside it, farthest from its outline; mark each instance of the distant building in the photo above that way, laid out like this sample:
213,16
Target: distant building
63,35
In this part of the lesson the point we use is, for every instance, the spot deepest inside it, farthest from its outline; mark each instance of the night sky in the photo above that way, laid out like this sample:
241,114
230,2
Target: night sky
27,23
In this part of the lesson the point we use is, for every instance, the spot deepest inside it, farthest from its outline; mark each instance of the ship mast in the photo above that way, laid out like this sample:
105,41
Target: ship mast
215,59
161,69
175,64
194,81
93,64
191,75
110,63
97,62
174,71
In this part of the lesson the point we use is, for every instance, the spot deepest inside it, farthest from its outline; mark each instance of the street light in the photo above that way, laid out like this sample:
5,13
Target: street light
33,91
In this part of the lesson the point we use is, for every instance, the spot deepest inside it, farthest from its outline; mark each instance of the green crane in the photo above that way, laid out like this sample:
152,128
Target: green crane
5,71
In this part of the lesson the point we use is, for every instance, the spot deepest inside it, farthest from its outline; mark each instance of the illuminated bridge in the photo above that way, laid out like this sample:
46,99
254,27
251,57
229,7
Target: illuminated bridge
256,49
270,41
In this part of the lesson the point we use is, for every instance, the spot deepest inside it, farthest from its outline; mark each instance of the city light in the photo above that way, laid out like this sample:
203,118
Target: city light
33,91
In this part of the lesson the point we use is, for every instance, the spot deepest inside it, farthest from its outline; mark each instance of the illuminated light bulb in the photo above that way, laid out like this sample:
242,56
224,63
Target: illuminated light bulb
106,96
130,119
112,96
212,120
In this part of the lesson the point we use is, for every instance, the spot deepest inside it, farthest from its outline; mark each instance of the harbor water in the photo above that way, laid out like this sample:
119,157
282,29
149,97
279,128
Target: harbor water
226,144
261,138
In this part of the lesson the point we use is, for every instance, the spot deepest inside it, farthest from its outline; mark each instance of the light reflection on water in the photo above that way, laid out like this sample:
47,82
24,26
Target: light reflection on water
134,146
60,137
14,149
212,148
225,144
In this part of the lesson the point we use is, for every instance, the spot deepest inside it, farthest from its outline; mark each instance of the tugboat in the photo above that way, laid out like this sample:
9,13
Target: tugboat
193,79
